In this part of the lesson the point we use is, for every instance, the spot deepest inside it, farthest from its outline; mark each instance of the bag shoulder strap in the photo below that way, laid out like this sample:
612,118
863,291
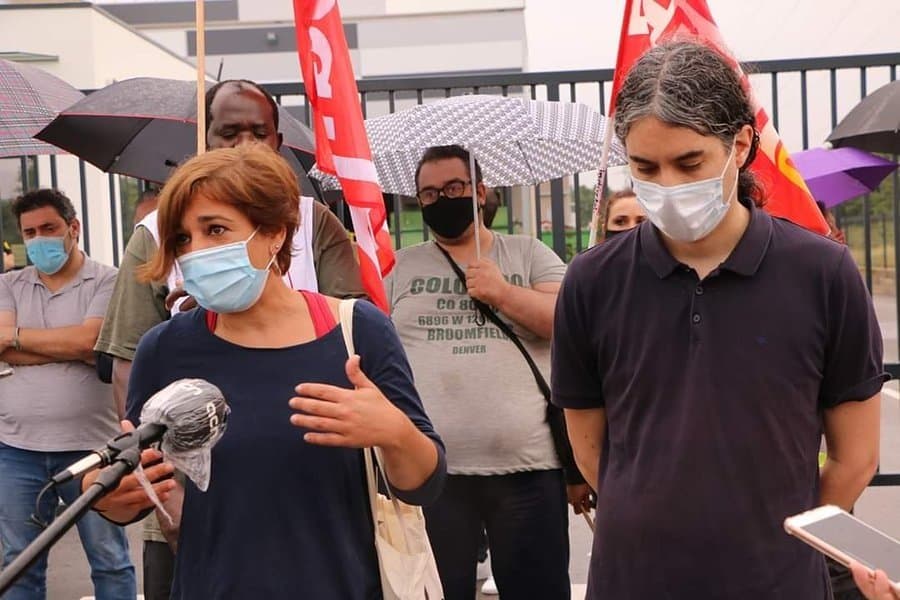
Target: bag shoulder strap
372,456
345,310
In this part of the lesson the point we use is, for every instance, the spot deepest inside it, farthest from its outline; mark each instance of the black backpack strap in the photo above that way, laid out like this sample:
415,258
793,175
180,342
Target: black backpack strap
555,418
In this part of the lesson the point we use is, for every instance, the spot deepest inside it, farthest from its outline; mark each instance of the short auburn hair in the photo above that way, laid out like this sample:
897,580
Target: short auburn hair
251,177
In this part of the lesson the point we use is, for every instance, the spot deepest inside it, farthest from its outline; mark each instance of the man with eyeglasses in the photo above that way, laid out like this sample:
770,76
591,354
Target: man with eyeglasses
506,475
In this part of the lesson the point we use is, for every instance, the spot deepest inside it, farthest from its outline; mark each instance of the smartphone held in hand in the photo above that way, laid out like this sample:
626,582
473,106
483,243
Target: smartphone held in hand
838,534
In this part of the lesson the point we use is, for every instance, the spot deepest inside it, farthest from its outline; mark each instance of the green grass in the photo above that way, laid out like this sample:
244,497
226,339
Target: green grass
882,236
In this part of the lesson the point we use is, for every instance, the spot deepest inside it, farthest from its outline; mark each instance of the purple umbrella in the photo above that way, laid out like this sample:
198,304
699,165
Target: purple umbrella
835,176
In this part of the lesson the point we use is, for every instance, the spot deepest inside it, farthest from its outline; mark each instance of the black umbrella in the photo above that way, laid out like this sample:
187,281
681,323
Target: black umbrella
143,127
874,123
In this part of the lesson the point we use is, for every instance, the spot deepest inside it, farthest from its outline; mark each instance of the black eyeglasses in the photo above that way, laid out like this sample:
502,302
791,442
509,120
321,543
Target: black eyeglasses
454,188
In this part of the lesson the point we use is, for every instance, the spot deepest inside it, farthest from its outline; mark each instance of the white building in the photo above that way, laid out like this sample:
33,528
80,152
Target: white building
255,39
93,45
88,48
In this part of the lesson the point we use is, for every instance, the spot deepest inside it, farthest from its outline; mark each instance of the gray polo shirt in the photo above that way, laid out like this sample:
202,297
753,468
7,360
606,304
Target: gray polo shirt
58,406
714,392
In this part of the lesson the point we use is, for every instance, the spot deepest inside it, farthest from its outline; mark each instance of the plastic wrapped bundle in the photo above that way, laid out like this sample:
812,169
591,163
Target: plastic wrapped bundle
195,414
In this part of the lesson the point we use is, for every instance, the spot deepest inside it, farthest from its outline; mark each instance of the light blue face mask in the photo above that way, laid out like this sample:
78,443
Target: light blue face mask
47,254
222,279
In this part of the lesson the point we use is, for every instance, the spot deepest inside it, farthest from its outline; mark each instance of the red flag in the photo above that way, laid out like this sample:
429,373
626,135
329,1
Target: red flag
342,147
645,24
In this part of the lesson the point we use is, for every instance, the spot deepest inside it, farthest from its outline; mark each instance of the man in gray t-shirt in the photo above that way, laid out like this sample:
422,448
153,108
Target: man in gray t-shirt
53,408
504,473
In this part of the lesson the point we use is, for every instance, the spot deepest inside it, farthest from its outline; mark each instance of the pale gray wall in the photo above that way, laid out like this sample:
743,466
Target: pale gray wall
140,13
256,40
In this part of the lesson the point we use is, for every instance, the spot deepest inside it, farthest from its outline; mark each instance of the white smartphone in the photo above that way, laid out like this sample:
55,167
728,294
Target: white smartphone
840,535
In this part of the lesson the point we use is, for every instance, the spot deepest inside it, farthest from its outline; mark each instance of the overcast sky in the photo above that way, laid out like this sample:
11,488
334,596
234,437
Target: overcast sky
583,34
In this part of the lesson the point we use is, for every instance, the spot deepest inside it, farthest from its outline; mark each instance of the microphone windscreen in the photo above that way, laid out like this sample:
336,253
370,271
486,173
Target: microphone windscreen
194,412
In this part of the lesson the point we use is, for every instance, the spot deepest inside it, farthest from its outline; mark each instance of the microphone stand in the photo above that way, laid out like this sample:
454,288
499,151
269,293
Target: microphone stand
108,479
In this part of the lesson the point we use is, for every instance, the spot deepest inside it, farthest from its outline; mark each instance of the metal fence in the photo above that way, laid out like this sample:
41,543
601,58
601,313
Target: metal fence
805,98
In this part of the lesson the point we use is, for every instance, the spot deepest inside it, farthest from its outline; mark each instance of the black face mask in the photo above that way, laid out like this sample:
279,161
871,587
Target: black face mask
448,217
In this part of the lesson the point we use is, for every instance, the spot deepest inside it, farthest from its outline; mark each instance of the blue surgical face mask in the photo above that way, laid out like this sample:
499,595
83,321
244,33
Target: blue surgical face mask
687,212
47,254
222,279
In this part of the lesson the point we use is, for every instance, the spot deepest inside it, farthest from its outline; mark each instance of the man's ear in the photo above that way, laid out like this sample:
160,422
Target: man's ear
76,230
481,192
743,143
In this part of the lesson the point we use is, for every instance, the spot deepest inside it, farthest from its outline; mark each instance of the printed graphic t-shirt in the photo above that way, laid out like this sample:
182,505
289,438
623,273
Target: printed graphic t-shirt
474,383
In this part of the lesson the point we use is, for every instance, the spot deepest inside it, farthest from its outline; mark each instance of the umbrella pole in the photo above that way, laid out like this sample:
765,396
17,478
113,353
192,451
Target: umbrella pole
54,181
85,230
601,183
201,76
475,204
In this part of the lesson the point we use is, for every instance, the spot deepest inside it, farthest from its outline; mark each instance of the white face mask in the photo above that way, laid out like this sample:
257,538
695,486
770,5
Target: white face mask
686,212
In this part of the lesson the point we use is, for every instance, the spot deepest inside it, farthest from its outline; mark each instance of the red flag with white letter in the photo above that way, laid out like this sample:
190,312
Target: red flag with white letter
647,23
342,147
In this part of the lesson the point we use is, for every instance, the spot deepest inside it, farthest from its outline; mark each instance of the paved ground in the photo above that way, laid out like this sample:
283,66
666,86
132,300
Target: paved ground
69,580
69,576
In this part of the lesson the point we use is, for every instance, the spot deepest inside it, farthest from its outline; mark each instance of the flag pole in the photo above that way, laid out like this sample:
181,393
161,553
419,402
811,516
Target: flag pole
200,17
601,183
618,75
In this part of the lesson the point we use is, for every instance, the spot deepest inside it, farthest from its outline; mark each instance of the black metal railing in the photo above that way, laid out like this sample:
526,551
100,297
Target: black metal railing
594,86
805,98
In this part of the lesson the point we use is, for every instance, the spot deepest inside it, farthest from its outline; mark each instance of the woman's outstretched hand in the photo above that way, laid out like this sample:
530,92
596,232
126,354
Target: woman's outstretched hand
354,418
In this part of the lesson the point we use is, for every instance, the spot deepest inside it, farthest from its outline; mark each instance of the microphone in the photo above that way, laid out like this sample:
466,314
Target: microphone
187,414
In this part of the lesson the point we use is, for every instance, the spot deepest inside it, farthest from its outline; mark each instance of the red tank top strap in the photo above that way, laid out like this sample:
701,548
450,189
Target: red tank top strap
322,317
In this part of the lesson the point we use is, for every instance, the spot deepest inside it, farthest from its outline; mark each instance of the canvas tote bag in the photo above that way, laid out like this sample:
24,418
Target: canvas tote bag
405,560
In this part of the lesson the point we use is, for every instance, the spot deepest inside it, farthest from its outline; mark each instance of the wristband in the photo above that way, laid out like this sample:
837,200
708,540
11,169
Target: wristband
16,343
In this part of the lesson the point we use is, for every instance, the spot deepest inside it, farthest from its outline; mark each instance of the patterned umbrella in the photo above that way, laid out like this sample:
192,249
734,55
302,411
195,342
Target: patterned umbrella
516,141
29,99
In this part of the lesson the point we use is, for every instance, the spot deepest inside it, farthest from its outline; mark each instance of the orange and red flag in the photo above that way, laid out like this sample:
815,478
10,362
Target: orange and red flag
649,22
342,147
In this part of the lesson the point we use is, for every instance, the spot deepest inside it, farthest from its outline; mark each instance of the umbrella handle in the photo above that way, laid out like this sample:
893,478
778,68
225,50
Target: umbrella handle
587,517
475,204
